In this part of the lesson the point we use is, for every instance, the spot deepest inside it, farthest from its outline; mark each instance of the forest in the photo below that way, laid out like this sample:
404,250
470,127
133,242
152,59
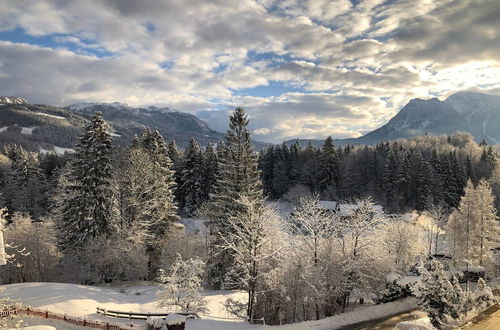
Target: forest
108,213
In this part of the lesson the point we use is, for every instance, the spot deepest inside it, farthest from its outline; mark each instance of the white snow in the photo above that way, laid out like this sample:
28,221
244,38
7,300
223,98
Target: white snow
49,115
361,314
27,130
56,149
194,225
12,100
4,129
114,134
173,319
419,324
61,150
82,301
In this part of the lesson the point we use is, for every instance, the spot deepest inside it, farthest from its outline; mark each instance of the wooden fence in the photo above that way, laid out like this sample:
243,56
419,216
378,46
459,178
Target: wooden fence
68,319
139,316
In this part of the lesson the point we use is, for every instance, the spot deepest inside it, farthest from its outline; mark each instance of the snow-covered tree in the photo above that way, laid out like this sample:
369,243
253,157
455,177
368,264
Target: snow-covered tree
237,176
473,229
433,222
86,208
435,295
161,209
209,170
483,296
192,176
329,167
40,263
312,225
488,226
251,237
404,243
182,286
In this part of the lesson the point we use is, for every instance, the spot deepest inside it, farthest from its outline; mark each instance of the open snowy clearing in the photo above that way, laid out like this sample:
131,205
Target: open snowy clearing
82,301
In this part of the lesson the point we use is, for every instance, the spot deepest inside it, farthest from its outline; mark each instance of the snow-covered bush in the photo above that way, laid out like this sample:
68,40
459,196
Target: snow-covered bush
483,296
295,193
182,286
175,322
394,291
38,240
155,323
443,301
106,260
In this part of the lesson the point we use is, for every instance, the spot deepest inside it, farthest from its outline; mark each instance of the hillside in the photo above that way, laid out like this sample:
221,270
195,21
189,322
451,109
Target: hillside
46,128
476,113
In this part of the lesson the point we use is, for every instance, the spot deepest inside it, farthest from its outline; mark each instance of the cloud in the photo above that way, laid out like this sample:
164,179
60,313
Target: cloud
343,67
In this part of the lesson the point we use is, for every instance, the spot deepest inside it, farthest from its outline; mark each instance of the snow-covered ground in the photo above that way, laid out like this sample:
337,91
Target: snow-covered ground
49,115
4,129
82,301
27,130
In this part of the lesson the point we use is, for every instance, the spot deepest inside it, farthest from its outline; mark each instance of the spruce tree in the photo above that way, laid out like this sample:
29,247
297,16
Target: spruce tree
86,207
163,210
329,168
190,191
237,178
210,164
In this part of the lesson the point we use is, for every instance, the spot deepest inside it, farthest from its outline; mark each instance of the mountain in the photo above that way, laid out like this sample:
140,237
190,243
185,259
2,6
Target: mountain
46,128
128,121
476,113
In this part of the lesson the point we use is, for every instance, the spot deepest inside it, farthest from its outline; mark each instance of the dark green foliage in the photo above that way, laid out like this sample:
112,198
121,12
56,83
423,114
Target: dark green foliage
191,181
394,291
237,177
86,207
400,175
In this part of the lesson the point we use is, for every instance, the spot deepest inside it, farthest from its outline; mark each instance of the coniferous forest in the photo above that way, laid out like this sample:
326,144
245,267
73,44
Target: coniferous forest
109,214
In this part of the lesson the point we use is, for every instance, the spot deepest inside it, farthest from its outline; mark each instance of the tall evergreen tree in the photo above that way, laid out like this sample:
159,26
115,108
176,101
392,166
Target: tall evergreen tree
163,212
191,189
237,178
329,167
86,208
210,164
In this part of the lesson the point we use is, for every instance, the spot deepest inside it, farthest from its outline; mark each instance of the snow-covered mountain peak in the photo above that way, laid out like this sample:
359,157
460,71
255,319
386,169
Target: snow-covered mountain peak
468,103
86,105
12,100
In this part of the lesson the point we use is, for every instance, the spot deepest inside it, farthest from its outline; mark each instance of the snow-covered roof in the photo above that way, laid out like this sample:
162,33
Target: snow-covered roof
327,205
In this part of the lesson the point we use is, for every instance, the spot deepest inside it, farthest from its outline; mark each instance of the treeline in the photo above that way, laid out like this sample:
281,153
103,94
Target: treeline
400,175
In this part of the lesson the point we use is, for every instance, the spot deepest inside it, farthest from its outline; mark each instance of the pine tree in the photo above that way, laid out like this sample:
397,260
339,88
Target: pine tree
163,211
26,185
238,177
191,189
209,169
435,296
329,168
86,209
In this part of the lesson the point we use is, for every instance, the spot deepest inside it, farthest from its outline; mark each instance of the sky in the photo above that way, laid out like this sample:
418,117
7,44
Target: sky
301,68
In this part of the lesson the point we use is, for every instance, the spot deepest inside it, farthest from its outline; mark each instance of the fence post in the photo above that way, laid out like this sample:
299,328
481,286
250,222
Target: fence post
46,314
84,322
107,326
28,311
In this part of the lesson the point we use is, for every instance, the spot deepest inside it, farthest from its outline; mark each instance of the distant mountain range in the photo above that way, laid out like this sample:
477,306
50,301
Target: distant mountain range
476,113
47,128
